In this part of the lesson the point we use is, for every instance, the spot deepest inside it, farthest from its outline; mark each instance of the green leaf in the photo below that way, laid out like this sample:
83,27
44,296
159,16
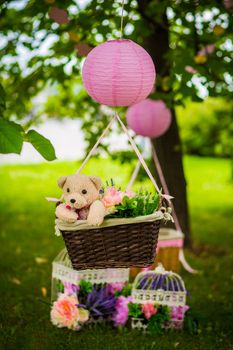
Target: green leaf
134,310
155,325
126,291
85,287
41,144
11,137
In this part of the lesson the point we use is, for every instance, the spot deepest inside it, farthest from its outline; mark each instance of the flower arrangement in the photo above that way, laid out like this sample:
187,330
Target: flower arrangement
67,313
81,304
125,204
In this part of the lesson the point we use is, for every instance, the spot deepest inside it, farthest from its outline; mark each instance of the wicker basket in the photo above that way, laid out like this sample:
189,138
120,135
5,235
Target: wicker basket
170,242
117,243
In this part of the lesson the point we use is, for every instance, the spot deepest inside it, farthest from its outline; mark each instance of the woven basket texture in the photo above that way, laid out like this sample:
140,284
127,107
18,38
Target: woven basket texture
114,246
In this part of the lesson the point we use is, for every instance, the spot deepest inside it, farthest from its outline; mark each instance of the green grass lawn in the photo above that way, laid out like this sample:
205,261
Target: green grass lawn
27,234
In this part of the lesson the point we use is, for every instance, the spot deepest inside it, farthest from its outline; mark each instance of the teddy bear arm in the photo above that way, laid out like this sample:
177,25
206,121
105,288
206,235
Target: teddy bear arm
96,213
65,214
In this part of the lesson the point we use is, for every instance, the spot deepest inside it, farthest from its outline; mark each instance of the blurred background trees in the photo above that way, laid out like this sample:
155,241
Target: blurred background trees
43,45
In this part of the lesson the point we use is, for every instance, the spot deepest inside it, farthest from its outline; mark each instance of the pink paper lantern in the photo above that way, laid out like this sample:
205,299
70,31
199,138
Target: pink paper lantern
149,118
118,73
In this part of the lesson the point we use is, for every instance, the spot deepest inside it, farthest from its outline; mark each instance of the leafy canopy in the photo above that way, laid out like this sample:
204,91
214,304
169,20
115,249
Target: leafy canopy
43,44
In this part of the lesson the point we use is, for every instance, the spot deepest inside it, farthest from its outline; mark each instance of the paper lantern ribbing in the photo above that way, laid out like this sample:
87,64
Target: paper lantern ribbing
118,73
149,118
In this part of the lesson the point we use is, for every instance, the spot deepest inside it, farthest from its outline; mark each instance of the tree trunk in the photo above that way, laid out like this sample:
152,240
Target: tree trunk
168,146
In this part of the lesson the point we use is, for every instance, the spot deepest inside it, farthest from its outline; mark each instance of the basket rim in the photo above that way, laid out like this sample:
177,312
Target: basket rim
82,224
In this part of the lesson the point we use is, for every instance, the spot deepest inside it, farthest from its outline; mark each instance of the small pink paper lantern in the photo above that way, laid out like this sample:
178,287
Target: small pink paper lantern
149,118
118,73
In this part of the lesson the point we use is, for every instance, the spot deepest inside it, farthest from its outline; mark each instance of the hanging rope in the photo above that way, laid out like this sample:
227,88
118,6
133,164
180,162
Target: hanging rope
176,221
182,259
92,151
135,148
122,18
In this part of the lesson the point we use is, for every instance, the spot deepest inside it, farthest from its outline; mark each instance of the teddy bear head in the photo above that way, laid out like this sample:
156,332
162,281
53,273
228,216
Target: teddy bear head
80,191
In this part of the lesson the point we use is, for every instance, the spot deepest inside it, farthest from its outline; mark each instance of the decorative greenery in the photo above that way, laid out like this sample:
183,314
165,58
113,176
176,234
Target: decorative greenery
60,286
85,287
157,320
126,291
143,203
134,310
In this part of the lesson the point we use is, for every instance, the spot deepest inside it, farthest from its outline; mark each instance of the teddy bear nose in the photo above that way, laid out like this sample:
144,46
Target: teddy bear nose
72,200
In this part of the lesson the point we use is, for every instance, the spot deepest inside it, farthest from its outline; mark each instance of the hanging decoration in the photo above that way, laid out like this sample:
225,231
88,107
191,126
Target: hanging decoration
150,118
155,302
118,73
124,241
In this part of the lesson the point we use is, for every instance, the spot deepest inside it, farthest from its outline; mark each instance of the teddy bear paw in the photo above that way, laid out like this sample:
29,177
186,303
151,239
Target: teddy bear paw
69,217
94,220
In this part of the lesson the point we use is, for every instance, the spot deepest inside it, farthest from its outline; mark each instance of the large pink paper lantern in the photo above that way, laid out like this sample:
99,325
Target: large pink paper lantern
118,73
149,118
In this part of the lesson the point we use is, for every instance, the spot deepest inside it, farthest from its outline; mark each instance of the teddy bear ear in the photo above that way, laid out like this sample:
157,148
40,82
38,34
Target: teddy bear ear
61,181
96,181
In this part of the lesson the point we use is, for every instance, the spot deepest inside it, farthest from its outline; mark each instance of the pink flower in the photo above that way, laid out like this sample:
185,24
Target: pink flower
177,312
129,194
149,310
115,287
190,69
70,288
207,50
112,197
120,317
65,312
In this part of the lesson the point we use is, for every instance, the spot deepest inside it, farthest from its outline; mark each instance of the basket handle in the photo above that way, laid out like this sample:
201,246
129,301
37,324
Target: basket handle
135,148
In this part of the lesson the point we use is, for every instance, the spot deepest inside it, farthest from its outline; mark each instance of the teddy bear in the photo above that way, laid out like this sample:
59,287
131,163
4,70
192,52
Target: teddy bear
81,194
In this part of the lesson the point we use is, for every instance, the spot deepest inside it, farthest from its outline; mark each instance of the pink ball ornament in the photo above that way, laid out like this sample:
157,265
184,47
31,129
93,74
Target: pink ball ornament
149,118
118,73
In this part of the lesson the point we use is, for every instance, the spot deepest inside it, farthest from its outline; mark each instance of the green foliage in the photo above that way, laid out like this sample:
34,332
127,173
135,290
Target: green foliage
156,321
85,287
134,310
50,62
60,287
207,128
41,144
126,291
11,137
143,203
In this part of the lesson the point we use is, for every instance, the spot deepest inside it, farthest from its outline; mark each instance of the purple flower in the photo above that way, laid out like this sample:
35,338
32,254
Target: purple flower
100,302
115,287
70,288
120,316
177,312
